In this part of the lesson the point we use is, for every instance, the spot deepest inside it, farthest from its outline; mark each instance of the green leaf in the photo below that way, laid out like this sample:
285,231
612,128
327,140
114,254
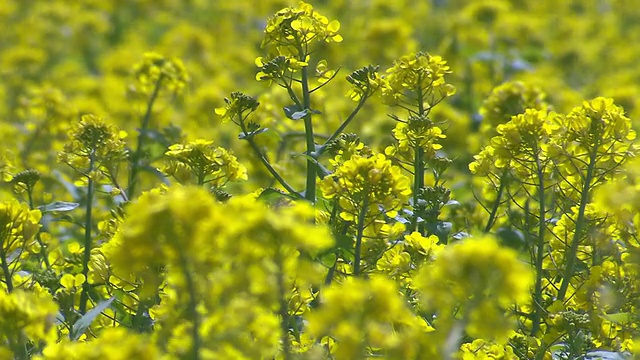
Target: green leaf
291,109
294,112
58,206
85,321
607,355
619,318
243,136
272,196
299,114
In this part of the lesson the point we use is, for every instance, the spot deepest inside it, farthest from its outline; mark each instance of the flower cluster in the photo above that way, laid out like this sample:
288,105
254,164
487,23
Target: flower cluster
156,71
95,148
370,184
518,144
345,147
365,81
292,30
115,343
25,316
419,132
237,107
185,240
478,282
417,78
595,132
510,99
18,228
205,162
379,321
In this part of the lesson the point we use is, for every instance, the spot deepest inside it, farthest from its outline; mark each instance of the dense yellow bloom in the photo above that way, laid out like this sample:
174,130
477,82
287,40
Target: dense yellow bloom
483,280
346,146
422,74
291,30
18,227
418,132
595,135
372,183
113,344
483,350
27,315
224,275
207,163
368,317
520,146
599,118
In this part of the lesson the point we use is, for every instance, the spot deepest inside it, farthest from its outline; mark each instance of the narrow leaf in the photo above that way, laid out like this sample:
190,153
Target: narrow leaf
299,114
58,206
85,321
290,110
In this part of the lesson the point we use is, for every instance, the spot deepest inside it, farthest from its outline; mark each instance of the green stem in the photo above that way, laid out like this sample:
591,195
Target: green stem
580,223
332,271
359,235
192,308
418,181
496,204
5,269
43,250
419,159
264,160
284,308
343,125
537,301
84,296
310,192
135,166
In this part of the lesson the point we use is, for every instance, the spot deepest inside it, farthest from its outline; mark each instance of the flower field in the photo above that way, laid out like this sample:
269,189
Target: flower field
443,179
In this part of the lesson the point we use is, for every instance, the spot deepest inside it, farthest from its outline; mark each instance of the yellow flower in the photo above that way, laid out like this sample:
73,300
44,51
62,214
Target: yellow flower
113,344
371,182
293,29
27,314
18,226
207,163
482,279
510,99
366,317
421,74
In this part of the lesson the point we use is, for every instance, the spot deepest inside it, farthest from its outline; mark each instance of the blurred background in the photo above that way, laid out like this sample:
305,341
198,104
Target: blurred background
62,58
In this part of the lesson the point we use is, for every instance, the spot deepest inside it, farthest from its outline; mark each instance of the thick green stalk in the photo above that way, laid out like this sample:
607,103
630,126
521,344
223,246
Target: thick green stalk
537,300
135,161
310,192
84,297
580,223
